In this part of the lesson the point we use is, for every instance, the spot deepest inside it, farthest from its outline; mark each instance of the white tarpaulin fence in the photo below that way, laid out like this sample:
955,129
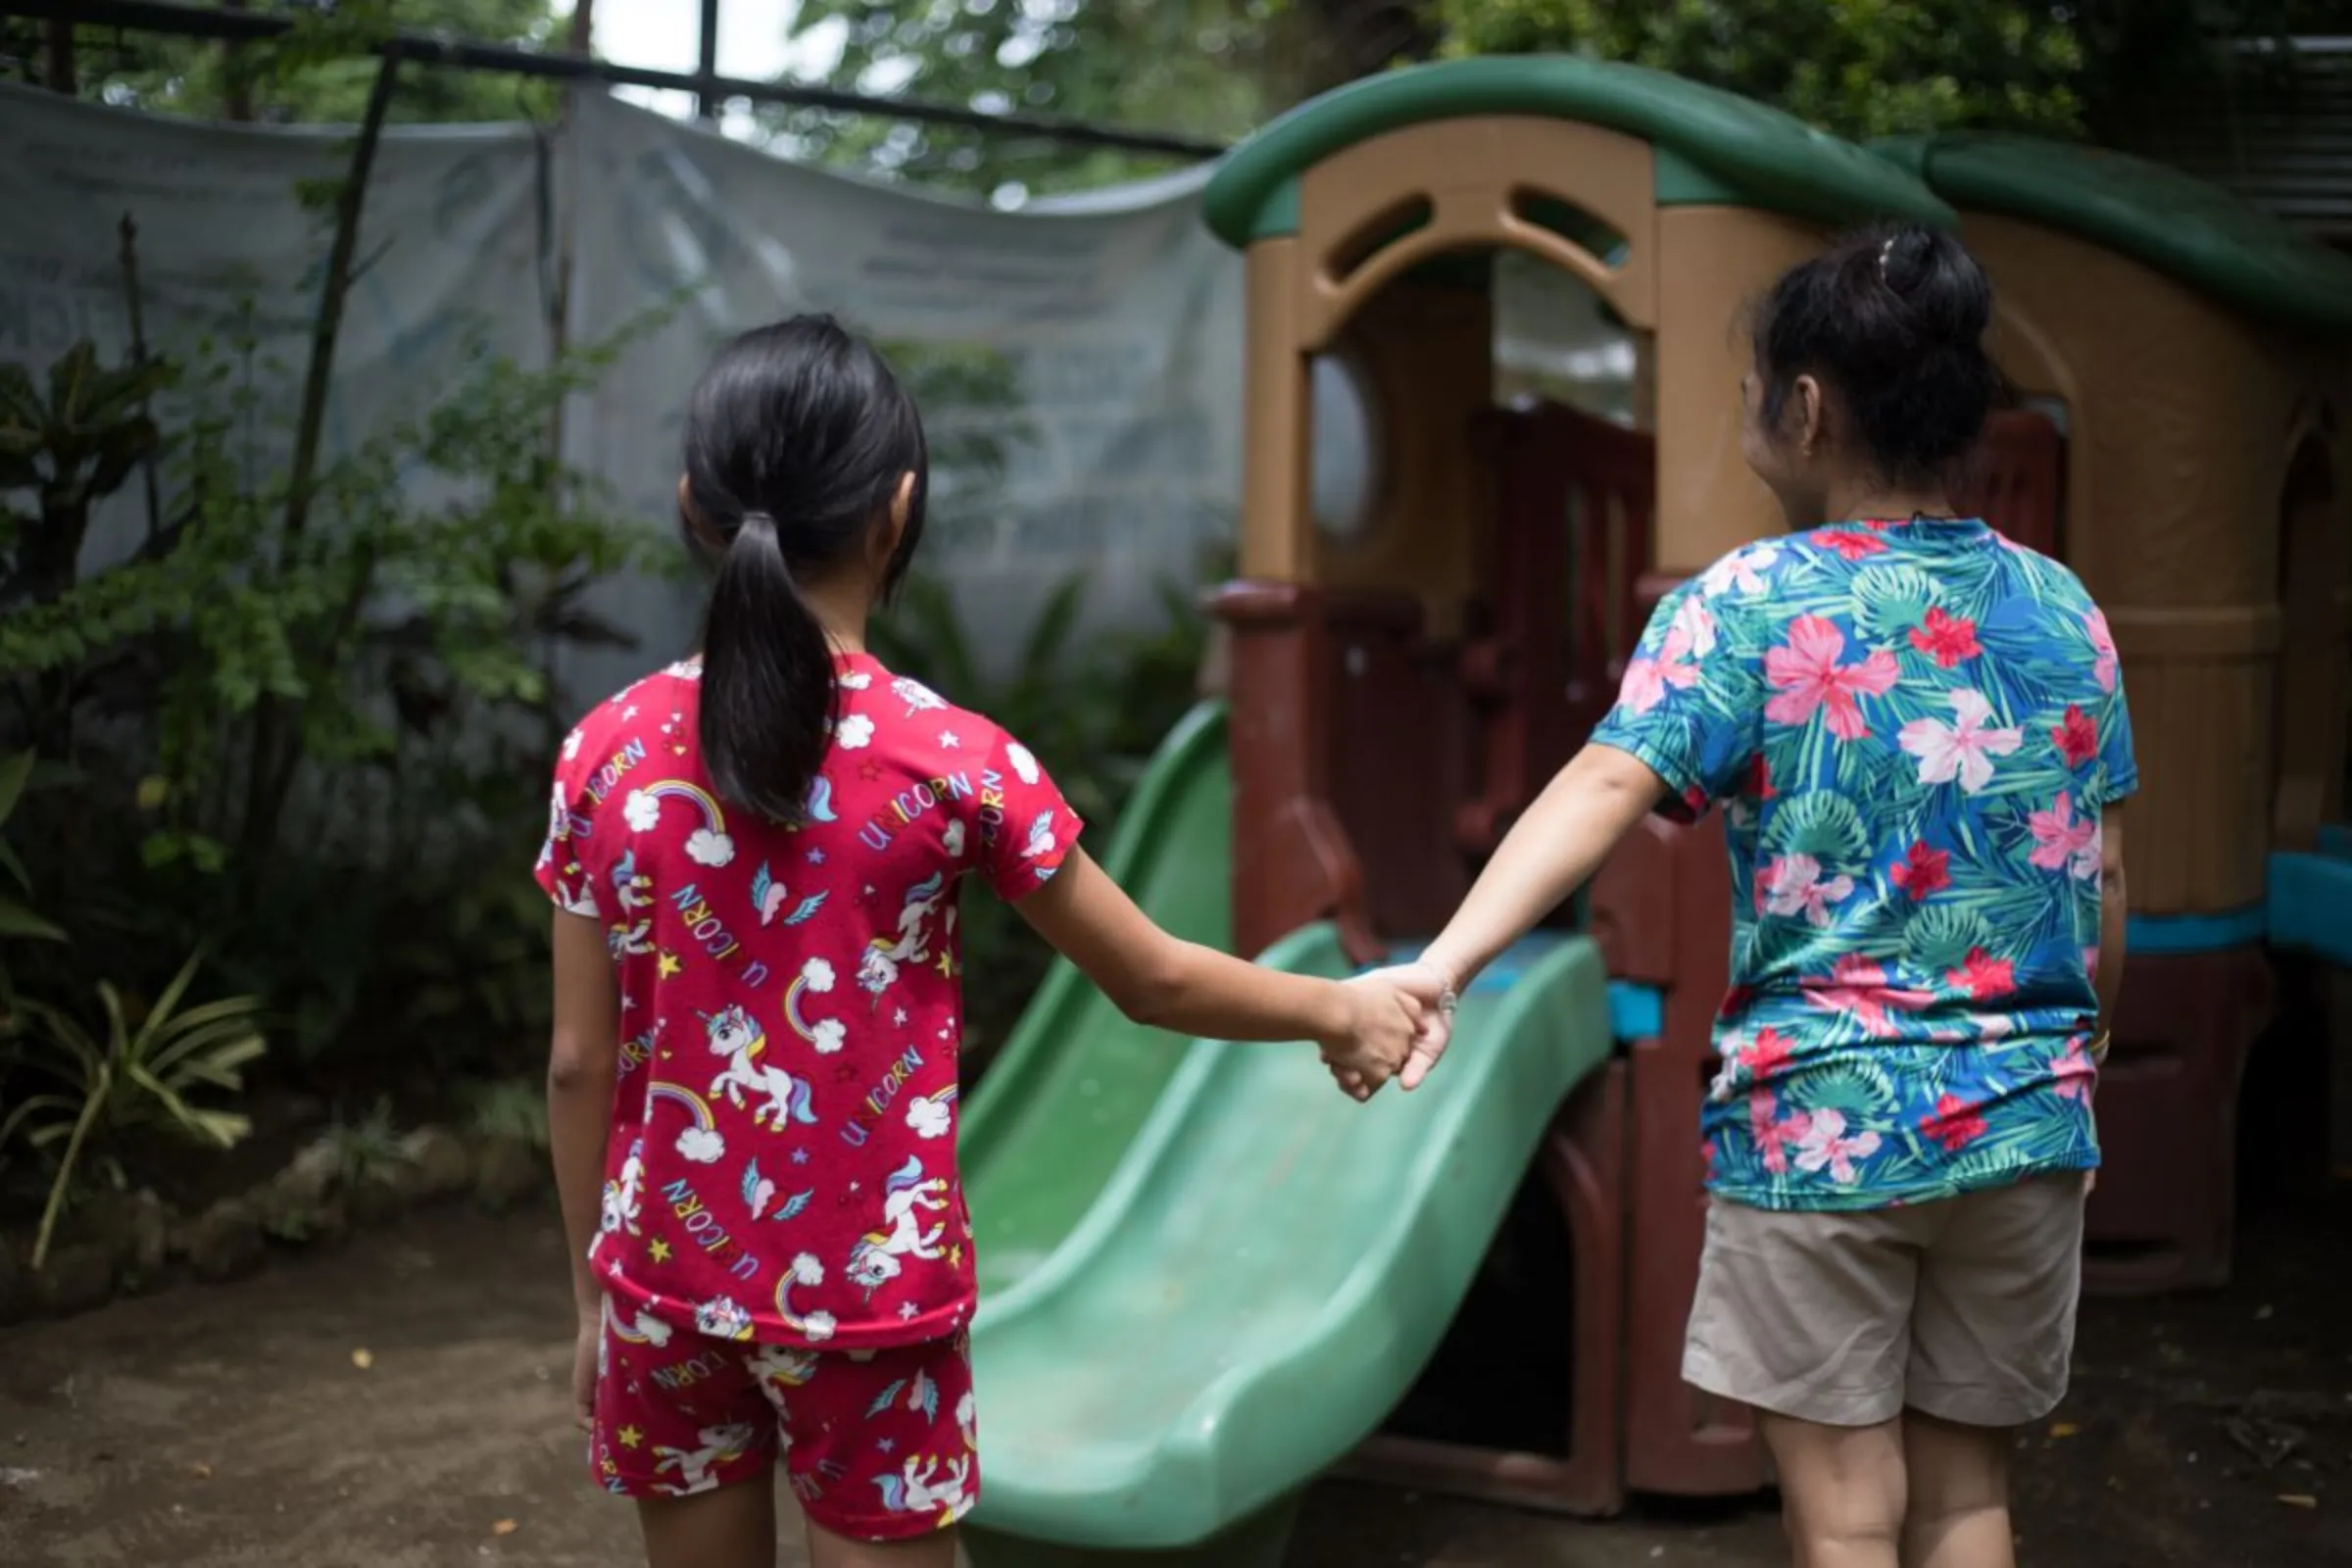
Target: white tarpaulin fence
1078,362
1078,368
458,226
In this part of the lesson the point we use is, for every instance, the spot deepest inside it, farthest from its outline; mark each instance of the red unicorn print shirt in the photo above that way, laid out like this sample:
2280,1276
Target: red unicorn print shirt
782,1164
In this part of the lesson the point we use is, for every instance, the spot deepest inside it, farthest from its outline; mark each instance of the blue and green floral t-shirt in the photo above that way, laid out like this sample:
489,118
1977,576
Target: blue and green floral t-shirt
1913,729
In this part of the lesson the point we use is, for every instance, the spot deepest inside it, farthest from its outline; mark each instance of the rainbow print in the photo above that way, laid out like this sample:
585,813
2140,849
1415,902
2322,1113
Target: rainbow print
628,1332
816,1327
677,789
679,1095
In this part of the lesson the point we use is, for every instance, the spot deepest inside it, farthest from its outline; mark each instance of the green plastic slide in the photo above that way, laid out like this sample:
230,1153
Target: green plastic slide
1075,1081
1261,1279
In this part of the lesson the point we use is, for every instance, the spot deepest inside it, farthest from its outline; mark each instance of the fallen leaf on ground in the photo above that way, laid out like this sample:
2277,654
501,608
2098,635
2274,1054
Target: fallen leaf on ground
2298,1500
504,1527
2063,1429
363,1360
201,1471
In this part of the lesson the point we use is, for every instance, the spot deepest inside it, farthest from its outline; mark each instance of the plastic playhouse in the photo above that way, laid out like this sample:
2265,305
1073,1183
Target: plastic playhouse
1208,1277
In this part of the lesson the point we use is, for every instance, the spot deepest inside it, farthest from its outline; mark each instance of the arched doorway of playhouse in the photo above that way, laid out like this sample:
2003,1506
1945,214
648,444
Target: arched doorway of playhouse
1481,486
1481,574
2314,601
2289,1132
1559,476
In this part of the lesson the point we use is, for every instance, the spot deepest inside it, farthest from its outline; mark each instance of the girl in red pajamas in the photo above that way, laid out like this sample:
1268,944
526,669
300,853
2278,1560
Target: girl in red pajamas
754,856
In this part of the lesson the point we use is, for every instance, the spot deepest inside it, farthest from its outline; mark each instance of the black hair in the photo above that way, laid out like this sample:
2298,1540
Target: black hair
1893,319
797,438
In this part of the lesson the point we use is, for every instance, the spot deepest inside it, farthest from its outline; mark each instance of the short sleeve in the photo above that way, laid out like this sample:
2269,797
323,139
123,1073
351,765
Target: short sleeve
561,870
1024,827
2118,766
1687,705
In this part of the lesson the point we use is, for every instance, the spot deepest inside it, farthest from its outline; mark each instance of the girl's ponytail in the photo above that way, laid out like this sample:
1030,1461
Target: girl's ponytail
768,698
800,443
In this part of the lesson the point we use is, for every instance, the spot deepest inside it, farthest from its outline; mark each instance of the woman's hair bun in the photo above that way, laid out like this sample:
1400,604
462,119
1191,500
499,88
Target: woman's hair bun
1933,273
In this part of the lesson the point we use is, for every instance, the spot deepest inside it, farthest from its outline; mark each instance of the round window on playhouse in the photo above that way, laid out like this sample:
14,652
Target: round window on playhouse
1345,467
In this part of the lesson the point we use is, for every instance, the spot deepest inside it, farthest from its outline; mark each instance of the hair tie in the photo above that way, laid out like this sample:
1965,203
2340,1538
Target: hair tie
1885,261
758,515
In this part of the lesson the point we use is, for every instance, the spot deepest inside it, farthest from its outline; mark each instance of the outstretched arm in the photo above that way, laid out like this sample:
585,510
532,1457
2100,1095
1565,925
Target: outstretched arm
1548,853
1168,983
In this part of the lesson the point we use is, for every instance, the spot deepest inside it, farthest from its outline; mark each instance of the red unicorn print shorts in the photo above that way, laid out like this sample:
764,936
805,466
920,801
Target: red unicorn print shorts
878,1444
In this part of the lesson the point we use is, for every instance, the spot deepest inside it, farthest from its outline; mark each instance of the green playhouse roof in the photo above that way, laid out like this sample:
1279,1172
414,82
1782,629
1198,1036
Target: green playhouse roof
2173,223
1715,148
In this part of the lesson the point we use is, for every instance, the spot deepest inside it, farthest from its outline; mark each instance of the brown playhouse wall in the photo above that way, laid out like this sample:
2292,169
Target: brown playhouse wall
2186,420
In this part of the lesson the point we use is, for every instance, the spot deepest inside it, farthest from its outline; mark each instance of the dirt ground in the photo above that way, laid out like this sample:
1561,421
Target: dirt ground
234,1427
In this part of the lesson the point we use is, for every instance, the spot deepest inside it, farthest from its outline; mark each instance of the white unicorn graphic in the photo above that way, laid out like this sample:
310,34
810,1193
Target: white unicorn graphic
719,1445
926,1484
878,966
622,1207
781,1366
874,1260
732,1034
633,891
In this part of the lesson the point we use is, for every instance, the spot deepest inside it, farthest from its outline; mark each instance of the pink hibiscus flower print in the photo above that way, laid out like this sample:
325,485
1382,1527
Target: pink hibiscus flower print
1953,1123
1924,872
1983,976
1806,677
2075,736
1772,1137
1962,750
2073,1074
1695,627
1793,884
1823,1144
1946,638
2061,839
1849,543
1742,569
1749,1061
2106,664
1861,988
1647,680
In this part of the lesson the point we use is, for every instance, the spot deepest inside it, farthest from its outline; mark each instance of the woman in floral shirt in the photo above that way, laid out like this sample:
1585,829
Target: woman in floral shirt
1917,734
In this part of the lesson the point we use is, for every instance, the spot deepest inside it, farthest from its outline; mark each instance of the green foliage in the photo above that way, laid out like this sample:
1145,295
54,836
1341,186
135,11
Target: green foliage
1860,68
317,74
2109,68
366,1148
505,1110
17,921
1192,66
144,1072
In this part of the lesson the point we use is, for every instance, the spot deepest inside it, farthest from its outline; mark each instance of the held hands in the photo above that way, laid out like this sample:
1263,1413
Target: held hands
1374,1052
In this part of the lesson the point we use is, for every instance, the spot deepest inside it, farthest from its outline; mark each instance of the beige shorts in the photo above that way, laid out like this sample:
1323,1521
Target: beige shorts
1963,1308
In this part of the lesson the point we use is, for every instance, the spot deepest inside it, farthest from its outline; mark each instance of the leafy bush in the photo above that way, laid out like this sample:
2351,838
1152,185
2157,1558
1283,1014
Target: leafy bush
144,1072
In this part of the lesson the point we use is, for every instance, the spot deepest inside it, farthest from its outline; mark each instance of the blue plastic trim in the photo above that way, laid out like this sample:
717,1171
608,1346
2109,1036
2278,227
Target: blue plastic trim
2335,840
1636,1011
2311,905
1507,966
2196,933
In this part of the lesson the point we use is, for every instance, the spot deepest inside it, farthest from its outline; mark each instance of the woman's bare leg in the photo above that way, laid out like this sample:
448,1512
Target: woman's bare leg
1959,1513
1842,1491
829,1550
734,1527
